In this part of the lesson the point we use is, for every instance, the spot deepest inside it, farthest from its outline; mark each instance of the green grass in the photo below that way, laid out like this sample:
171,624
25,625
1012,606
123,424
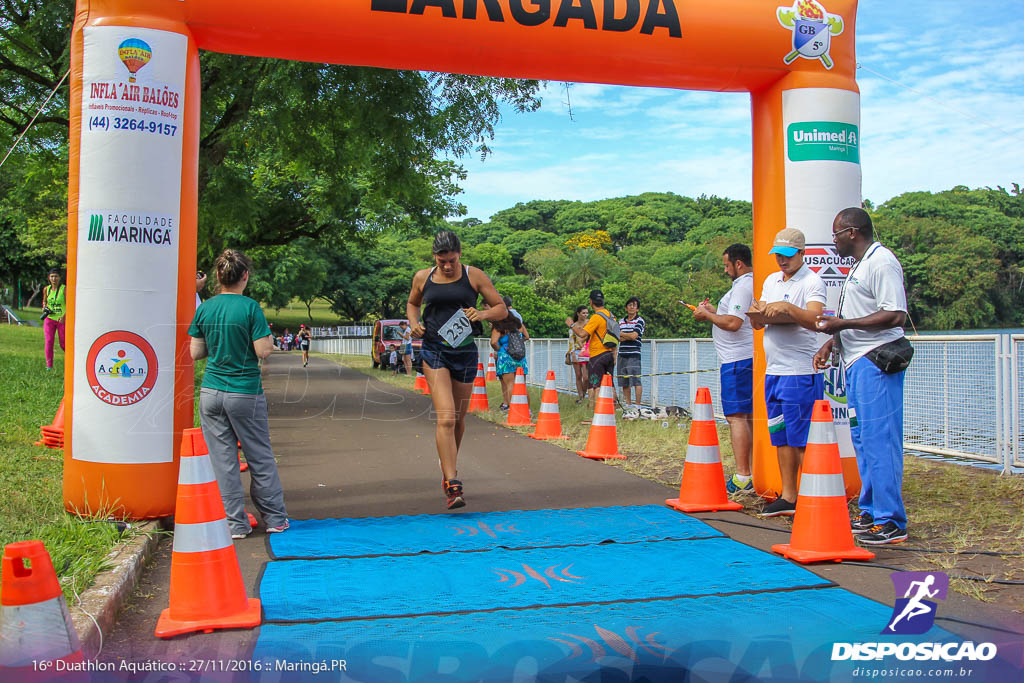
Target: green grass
295,314
30,476
956,508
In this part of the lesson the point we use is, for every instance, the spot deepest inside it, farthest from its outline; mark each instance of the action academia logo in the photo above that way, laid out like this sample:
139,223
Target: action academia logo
812,28
121,368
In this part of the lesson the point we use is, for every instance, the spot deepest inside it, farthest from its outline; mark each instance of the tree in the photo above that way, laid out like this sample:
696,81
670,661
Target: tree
519,243
490,258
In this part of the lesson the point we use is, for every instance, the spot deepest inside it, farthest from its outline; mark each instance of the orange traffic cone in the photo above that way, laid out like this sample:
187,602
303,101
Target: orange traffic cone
421,385
549,422
242,465
206,583
821,525
602,443
492,369
36,625
519,405
703,485
53,434
478,401
252,519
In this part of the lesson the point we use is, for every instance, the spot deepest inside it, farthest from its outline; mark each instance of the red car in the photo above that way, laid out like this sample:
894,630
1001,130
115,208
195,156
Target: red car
387,333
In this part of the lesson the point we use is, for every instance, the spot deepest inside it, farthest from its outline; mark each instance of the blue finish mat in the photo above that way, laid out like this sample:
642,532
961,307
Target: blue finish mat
483,530
300,590
785,636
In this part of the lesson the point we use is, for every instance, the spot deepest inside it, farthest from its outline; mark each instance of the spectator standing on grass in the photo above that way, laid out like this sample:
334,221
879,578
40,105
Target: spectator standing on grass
579,353
508,339
868,331
594,332
628,363
791,301
53,322
406,351
393,358
232,331
734,344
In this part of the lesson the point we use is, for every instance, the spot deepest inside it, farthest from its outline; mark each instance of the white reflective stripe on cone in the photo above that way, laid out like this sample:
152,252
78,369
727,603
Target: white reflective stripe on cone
606,392
603,420
195,469
201,537
550,384
704,455
519,398
702,411
549,408
36,633
822,485
479,390
822,433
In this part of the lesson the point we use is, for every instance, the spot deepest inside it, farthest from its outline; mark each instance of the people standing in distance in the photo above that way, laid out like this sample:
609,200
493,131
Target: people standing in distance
580,353
406,350
54,312
509,360
303,340
734,344
602,357
231,330
448,294
868,332
628,362
791,301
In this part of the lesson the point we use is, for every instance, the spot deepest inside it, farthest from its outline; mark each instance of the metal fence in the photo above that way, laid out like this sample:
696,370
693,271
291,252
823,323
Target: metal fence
963,396
343,331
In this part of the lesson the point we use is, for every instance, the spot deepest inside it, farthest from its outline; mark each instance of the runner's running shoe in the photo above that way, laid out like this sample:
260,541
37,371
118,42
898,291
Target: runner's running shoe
734,486
862,523
453,490
883,535
780,506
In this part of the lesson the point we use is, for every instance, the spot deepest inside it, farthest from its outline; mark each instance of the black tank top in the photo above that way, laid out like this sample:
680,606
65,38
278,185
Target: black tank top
441,300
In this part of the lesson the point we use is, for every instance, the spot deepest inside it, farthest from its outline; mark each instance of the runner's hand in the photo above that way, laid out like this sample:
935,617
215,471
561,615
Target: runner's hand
473,314
417,330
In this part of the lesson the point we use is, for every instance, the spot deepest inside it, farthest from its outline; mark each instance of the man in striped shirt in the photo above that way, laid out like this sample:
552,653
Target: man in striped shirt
628,364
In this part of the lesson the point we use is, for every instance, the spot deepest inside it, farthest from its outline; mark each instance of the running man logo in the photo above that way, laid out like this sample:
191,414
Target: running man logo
95,228
914,613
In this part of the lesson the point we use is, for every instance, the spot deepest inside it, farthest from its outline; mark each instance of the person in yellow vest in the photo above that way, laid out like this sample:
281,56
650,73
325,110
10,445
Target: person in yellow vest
53,315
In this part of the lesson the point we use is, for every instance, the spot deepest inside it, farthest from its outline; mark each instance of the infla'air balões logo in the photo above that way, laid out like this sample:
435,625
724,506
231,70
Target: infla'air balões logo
914,613
121,368
812,28
134,54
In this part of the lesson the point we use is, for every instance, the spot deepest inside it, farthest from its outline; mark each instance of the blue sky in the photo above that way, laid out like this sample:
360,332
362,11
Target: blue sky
962,122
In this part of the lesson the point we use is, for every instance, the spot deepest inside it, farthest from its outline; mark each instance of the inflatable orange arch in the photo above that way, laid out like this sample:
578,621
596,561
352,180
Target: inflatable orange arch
132,200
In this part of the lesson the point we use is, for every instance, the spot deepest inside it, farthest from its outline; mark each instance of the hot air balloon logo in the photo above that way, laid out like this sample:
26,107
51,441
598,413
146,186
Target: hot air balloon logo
135,54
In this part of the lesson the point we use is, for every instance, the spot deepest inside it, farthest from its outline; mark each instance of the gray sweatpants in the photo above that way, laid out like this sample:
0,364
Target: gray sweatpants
228,418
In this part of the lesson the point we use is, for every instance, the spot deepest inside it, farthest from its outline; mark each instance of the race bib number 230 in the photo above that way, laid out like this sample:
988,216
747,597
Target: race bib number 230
456,330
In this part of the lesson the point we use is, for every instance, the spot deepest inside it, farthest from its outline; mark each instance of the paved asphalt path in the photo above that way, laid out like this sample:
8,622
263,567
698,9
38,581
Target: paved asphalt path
350,446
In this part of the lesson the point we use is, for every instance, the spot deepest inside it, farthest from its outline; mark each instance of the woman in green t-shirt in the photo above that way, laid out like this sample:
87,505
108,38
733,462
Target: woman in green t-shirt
231,330
53,315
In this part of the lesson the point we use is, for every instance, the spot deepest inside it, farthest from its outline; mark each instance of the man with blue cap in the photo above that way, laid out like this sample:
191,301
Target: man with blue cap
791,301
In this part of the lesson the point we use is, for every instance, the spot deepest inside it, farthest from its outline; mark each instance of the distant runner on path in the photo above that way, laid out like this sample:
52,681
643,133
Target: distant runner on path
448,293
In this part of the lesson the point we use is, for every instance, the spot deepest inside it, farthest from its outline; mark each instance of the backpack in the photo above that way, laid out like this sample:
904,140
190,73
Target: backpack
516,346
612,331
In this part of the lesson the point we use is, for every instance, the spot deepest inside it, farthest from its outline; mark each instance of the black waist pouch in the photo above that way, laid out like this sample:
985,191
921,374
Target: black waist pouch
892,357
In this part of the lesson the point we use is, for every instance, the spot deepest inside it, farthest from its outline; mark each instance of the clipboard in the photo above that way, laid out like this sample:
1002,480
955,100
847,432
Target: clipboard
758,318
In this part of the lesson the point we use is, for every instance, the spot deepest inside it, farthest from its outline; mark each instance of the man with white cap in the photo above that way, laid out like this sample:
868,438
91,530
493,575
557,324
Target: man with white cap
791,301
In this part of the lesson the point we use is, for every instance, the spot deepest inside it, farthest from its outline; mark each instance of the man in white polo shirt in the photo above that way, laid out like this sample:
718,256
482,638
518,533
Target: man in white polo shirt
872,310
734,344
791,301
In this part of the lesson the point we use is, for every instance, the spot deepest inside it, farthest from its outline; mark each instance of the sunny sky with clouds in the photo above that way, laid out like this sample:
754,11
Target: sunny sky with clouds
942,104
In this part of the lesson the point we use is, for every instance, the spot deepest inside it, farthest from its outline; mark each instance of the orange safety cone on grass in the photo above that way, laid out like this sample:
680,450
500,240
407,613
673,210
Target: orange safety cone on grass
602,442
703,485
35,625
821,524
478,400
519,404
492,369
207,591
421,385
53,434
549,422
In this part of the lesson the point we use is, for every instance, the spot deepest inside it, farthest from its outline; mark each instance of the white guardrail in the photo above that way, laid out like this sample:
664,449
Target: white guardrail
963,396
